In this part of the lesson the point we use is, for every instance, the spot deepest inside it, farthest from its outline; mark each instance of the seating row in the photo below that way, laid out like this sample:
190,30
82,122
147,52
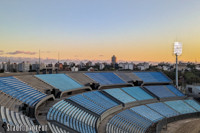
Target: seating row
20,91
72,117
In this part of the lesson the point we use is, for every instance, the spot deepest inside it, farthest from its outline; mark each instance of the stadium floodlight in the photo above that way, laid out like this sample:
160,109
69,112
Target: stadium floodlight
177,52
177,48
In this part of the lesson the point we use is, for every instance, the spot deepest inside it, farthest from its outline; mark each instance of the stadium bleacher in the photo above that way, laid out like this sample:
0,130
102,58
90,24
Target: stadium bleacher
31,80
147,113
73,117
105,78
128,121
160,91
120,95
152,77
138,93
15,119
163,109
60,81
20,91
94,101
193,104
140,108
180,106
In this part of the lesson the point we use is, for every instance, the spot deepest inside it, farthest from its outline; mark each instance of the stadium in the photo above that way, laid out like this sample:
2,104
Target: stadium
93,102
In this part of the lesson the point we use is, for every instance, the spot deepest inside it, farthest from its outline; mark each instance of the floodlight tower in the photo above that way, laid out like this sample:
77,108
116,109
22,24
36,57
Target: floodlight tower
177,52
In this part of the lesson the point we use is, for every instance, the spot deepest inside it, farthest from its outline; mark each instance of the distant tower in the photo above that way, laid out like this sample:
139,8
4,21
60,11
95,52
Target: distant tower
113,60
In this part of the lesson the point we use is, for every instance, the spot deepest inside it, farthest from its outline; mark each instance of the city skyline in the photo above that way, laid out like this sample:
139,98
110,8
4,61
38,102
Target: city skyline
131,30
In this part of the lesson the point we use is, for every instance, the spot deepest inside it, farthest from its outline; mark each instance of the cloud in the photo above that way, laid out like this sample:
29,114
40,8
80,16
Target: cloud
21,52
1,52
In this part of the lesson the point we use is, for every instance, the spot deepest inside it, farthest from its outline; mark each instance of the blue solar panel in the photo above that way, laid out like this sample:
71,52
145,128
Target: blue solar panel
152,77
60,81
105,78
137,92
160,91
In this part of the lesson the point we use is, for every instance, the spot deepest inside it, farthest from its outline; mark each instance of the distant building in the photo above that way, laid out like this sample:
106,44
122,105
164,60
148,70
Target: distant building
143,66
13,67
197,67
113,60
182,66
101,66
74,69
89,63
24,67
126,66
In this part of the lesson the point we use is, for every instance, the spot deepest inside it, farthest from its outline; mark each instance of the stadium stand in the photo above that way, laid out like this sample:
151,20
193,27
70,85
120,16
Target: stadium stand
59,81
180,106
163,109
56,129
16,119
147,113
94,101
72,117
20,91
193,104
36,83
128,121
152,77
138,93
105,78
118,94
174,90
10,102
160,91
129,77
144,108
80,78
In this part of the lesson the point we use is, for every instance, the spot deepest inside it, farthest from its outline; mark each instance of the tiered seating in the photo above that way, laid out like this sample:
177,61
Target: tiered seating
35,82
137,92
120,95
80,77
56,129
163,109
180,106
9,102
59,81
128,76
15,119
94,101
107,78
100,99
160,91
174,90
147,113
20,91
73,117
152,77
129,122
193,104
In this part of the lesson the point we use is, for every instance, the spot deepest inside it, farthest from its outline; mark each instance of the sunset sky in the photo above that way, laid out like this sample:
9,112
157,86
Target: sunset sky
133,30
